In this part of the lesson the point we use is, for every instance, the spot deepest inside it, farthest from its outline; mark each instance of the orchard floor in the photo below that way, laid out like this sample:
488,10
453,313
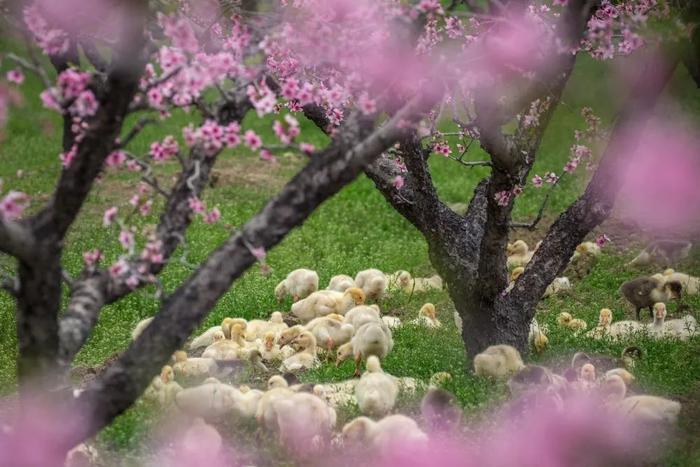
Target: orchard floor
354,230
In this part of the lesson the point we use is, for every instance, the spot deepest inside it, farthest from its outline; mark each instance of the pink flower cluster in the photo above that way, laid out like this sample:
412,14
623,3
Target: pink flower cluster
442,148
614,29
187,76
92,257
13,204
71,91
153,252
262,98
116,158
15,76
212,136
503,197
549,177
286,131
51,40
164,150
199,207
180,32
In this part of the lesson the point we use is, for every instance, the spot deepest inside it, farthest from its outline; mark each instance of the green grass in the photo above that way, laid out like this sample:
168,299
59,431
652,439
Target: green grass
354,230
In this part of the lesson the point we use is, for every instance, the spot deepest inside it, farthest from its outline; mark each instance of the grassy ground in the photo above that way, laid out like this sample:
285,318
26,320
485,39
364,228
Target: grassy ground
352,231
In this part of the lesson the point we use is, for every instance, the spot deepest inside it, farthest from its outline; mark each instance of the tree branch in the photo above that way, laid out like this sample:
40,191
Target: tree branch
596,203
16,239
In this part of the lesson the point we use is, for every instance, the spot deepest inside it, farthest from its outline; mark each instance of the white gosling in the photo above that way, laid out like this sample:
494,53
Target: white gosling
376,392
299,283
498,361
341,283
373,283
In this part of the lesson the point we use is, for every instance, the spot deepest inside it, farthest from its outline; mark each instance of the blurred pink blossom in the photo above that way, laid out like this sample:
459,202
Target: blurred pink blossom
659,171
602,240
15,76
13,205
398,182
92,257
537,181
109,215
212,216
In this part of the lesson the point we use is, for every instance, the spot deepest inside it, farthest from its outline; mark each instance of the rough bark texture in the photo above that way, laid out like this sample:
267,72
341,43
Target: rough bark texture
40,276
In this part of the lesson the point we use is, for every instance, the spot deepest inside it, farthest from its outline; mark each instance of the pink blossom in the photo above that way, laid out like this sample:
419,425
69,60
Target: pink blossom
133,165
537,181
602,240
85,105
262,98
398,182
118,268
155,98
442,148
266,155
180,32
67,158
162,151
367,105
152,252
15,76
571,165
52,41
658,171
551,177
132,281
92,257
72,83
258,252
49,99
307,148
115,158
126,239
252,140
135,200
517,190
13,205
196,205
290,88
212,216
109,215
580,151
145,208
503,197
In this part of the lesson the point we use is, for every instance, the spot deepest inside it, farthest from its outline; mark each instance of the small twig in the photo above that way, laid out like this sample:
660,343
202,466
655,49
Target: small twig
34,67
147,176
470,164
532,225
65,275
135,130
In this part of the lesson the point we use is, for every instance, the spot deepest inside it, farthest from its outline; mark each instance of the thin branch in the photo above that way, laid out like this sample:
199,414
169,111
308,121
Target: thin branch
33,67
540,212
135,130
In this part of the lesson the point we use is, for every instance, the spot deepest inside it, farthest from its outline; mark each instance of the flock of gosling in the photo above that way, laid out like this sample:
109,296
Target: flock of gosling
335,319
338,319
